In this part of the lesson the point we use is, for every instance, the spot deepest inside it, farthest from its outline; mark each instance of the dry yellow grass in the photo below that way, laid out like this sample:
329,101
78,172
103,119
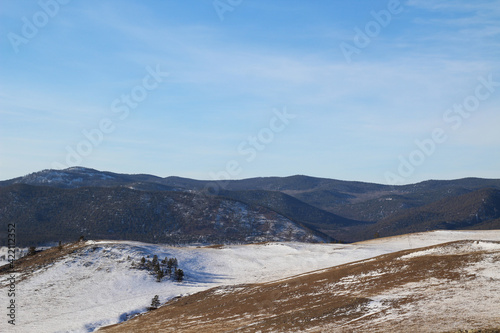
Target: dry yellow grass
357,297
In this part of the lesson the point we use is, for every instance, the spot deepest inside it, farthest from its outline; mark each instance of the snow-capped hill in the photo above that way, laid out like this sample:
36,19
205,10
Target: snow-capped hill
76,177
90,284
67,178
444,288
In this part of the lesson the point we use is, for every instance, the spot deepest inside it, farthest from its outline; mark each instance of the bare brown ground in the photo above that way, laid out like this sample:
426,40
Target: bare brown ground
339,299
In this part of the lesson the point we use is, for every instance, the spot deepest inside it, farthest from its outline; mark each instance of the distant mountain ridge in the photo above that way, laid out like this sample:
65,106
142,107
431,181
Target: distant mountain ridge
47,214
329,209
460,212
79,176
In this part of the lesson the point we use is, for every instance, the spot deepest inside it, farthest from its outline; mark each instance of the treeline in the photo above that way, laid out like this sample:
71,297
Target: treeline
161,269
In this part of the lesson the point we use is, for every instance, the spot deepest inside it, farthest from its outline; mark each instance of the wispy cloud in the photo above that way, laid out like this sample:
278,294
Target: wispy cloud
225,78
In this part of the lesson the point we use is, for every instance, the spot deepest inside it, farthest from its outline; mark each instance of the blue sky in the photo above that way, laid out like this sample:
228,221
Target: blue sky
361,106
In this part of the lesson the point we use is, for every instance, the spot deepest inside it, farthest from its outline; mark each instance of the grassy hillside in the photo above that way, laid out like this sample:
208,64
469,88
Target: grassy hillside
423,290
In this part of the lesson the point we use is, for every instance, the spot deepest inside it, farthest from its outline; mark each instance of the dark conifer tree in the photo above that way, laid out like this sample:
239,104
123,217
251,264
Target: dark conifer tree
159,275
155,302
170,263
31,250
179,275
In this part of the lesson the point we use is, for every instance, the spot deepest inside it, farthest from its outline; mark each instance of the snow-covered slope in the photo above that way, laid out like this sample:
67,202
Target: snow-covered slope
452,287
96,285
71,177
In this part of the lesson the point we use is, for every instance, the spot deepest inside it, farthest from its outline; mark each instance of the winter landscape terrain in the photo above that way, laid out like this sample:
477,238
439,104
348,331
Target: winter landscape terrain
277,286
285,166
268,254
61,205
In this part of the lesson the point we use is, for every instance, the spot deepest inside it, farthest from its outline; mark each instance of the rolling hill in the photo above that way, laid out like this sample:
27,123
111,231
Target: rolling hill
441,288
112,205
335,226
466,211
366,286
46,215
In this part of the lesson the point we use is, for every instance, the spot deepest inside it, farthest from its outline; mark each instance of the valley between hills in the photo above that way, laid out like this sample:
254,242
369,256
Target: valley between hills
275,254
62,205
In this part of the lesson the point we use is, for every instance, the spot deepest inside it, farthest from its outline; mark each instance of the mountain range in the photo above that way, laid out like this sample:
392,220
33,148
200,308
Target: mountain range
62,205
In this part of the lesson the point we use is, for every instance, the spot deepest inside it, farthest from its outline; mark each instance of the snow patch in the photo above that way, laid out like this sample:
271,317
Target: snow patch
96,285
455,249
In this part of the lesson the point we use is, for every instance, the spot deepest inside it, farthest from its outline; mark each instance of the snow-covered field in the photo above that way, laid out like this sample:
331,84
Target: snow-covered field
96,286
4,254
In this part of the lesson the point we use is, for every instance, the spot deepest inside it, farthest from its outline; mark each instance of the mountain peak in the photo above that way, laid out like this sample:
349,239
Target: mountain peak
80,169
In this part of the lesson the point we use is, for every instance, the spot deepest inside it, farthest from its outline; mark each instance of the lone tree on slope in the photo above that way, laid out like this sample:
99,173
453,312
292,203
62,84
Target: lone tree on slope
31,250
155,302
